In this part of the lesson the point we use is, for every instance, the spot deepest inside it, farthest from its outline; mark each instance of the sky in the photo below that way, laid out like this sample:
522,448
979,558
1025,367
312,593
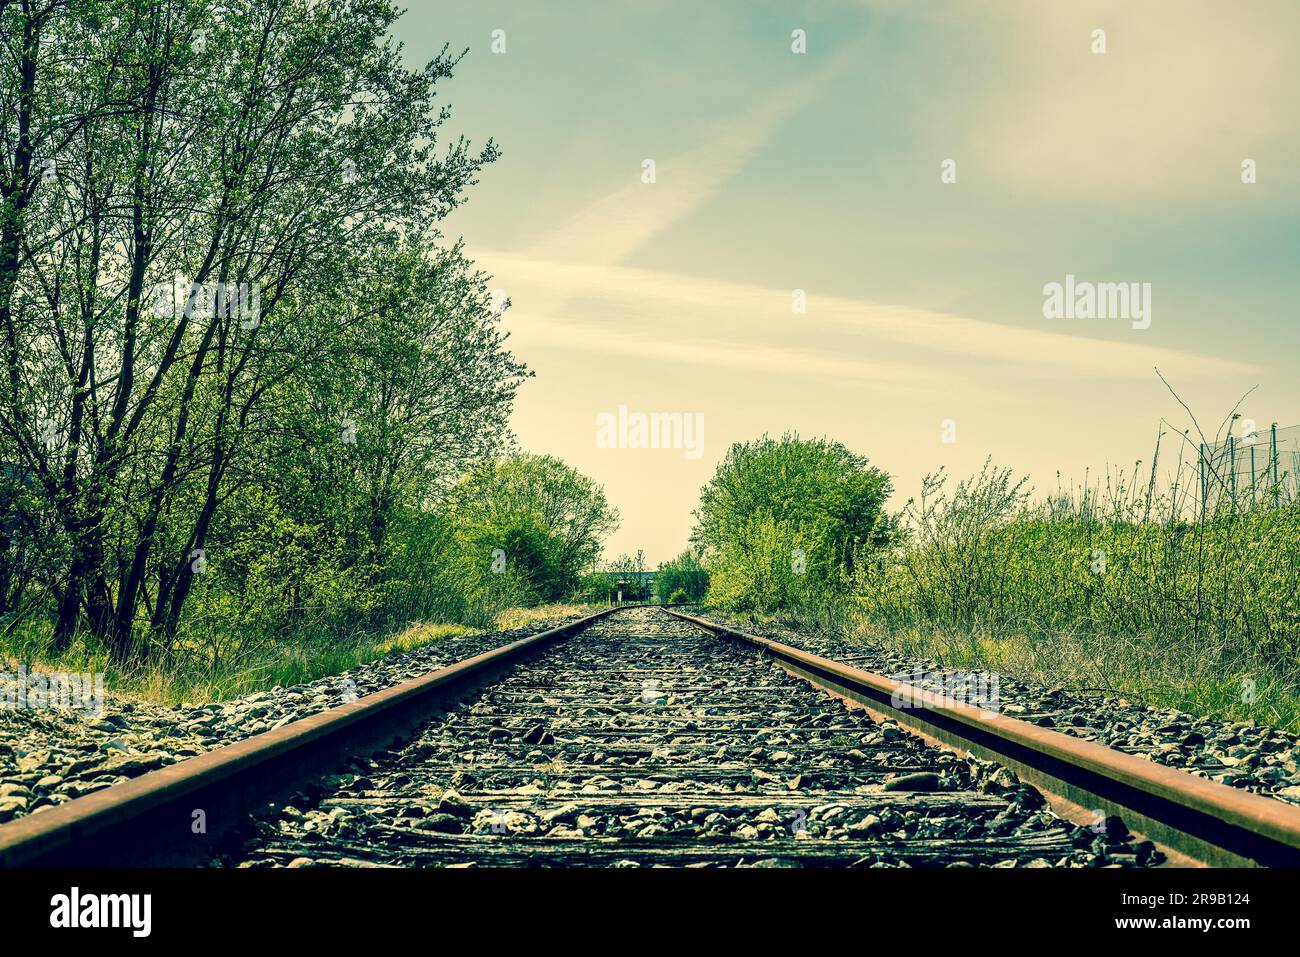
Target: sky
919,175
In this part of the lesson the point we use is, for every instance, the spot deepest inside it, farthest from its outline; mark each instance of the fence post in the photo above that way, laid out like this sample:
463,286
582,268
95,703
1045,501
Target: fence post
1205,504
1273,460
1232,467
1252,473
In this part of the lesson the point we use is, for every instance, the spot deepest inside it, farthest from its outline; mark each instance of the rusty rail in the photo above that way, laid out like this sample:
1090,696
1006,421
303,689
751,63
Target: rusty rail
151,819
1200,821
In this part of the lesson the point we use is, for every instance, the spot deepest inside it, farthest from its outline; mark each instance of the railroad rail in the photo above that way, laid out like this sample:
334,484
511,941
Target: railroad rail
151,820
1193,819
656,738
650,742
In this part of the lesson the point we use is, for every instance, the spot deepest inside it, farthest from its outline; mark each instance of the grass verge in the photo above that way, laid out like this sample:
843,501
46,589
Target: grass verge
202,674
1216,683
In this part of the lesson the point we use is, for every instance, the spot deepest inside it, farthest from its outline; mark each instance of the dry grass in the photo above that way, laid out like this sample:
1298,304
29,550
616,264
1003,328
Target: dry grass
528,617
1147,671
259,666
1126,585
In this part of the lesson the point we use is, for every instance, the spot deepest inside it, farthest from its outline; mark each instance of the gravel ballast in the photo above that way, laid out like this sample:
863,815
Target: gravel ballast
1240,754
52,755
646,743
49,756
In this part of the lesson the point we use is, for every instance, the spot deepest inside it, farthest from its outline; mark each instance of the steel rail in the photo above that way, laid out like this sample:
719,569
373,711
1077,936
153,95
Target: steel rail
1200,821
153,819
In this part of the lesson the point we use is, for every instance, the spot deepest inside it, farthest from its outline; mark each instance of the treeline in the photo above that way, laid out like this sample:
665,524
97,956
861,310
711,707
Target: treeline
248,387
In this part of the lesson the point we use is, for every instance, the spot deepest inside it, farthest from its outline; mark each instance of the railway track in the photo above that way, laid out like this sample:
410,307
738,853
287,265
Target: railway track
649,741
641,736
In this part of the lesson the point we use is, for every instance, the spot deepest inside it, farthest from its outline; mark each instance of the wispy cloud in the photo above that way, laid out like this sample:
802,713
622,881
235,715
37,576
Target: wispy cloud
720,354
1185,91
657,315
619,223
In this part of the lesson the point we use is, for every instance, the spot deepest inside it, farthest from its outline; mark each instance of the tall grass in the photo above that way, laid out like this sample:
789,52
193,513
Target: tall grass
1123,583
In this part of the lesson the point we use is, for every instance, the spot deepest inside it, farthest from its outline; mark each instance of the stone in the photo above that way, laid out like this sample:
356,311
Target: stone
867,827
444,823
918,781
558,815
538,735
453,804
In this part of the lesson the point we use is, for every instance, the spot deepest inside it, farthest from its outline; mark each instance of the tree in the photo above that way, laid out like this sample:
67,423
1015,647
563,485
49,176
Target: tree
782,519
415,391
683,577
626,575
191,192
552,515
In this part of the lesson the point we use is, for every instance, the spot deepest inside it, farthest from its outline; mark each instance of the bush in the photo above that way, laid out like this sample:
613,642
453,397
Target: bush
984,557
685,575
782,522
543,519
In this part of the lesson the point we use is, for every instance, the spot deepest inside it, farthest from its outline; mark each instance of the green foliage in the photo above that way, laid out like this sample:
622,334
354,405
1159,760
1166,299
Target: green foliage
1120,586
783,520
626,575
297,431
983,556
593,587
537,521
683,576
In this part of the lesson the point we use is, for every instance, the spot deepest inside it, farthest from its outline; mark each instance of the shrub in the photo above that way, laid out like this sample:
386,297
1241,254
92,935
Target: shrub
1216,590
783,520
682,574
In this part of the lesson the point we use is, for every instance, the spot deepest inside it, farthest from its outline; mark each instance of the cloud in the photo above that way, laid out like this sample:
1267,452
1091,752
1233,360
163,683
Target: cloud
1055,120
657,315
714,353
1184,92
618,224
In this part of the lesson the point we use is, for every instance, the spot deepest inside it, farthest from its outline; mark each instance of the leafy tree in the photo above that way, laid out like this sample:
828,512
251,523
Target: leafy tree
781,520
550,514
265,150
415,390
683,579
626,574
